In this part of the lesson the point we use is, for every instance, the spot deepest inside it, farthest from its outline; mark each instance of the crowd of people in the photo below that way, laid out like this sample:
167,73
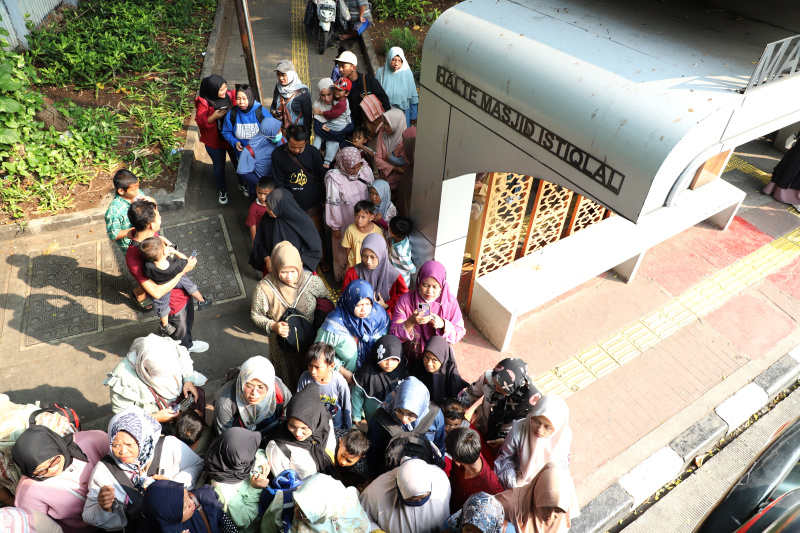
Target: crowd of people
358,419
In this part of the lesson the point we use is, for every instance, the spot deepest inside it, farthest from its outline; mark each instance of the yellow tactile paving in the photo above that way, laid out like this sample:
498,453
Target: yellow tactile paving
736,163
299,39
610,353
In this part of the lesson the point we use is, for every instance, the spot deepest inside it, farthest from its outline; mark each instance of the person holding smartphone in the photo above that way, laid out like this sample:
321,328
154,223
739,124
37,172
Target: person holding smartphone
212,104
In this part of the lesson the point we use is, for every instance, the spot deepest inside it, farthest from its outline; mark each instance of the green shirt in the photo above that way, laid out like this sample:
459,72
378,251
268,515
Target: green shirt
117,220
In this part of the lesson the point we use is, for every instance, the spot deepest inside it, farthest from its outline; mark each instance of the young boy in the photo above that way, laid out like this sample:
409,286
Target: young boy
471,474
400,249
257,209
333,389
454,412
328,124
350,458
161,265
355,233
359,138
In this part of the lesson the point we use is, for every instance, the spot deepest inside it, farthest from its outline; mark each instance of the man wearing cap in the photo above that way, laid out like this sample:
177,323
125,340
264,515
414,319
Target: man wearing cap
291,100
348,67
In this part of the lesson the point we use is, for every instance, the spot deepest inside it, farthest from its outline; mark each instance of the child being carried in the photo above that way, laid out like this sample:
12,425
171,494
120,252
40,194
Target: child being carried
162,264
332,120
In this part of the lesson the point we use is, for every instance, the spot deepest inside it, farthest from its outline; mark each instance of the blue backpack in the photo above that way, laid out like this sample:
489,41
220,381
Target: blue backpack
286,483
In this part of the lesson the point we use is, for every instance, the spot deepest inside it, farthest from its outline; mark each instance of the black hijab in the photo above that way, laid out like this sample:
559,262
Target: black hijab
37,444
209,90
307,407
512,375
290,224
162,507
372,378
251,98
232,455
445,382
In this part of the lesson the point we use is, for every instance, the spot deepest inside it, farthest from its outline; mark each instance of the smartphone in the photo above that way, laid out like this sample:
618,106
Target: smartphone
223,108
194,254
186,403
424,309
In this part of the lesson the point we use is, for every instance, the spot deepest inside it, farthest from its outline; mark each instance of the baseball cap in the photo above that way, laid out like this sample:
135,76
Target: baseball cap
348,57
284,66
343,84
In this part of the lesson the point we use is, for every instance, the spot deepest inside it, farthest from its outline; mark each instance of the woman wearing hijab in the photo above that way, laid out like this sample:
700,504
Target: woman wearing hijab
381,195
438,370
406,406
403,201
255,161
238,471
345,185
323,505
305,442
508,394
55,473
285,221
289,283
397,81
431,310
481,511
156,371
542,437
546,505
390,158
255,400
378,377
376,269
291,100
212,104
415,496
170,508
242,124
133,438
354,326
785,183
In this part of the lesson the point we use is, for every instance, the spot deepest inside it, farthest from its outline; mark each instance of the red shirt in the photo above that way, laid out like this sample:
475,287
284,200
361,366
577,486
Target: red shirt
178,298
210,134
255,213
398,289
463,488
339,107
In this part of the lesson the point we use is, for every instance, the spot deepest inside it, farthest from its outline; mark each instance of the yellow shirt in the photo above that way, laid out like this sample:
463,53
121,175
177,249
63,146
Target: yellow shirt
352,240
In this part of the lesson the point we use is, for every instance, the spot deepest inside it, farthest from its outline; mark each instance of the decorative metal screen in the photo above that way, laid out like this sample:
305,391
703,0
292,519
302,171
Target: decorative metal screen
502,223
585,213
550,210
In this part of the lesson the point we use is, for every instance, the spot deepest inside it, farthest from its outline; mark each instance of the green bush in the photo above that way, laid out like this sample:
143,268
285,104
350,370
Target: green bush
400,9
403,38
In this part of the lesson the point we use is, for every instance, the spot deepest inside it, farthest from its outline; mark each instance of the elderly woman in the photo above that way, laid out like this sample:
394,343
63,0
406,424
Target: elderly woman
291,100
390,157
415,496
546,505
156,371
287,285
55,473
397,80
238,470
170,508
482,513
255,400
354,327
139,456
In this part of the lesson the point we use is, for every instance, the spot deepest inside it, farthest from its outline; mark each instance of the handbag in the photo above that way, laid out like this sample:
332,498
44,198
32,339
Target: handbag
301,330
372,108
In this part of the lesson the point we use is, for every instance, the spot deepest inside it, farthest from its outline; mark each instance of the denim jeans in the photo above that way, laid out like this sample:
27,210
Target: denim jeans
218,158
250,179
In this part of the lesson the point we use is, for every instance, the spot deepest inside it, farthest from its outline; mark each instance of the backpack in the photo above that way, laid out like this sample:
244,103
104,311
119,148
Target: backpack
301,330
259,115
133,512
412,443
59,418
286,483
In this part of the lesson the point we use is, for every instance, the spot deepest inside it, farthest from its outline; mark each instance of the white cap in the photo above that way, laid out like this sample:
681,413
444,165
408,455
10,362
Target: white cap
348,57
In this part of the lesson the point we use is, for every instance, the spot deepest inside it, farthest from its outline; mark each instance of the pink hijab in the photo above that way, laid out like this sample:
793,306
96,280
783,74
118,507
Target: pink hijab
536,452
446,305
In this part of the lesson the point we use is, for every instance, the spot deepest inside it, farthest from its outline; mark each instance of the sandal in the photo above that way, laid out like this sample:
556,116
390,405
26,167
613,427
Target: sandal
325,267
145,305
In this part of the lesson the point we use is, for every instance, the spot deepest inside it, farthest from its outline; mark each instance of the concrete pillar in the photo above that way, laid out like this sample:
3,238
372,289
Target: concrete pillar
784,134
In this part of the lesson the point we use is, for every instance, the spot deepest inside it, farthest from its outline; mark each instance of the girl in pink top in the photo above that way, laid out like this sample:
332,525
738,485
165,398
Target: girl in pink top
56,472
429,310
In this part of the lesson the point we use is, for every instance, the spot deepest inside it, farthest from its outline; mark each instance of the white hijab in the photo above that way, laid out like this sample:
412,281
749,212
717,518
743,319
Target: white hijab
259,368
536,452
385,508
293,84
161,363
329,506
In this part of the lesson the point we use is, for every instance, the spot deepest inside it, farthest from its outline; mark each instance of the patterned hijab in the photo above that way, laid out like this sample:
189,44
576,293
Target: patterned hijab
481,510
372,378
384,275
146,431
259,368
342,321
512,375
347,158
410,395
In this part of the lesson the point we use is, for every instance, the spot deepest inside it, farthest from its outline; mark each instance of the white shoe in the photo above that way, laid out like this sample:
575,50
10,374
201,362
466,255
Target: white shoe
243,190
198,347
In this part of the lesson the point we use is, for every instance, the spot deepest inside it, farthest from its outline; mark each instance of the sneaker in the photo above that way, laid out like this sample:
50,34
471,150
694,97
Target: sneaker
167,330
243,190
223,197
202,306
198,347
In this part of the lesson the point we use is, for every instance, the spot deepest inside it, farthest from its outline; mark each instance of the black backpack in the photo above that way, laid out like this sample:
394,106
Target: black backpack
235,111
412,443
133,512
301,330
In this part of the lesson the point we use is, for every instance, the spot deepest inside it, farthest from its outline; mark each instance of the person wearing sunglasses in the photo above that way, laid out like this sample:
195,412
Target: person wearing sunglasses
56,472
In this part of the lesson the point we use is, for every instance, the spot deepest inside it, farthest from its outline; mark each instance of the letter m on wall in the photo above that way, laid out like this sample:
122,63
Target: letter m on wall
779,61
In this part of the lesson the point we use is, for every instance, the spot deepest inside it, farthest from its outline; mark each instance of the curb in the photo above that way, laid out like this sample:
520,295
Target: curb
173,201
666,464
368,48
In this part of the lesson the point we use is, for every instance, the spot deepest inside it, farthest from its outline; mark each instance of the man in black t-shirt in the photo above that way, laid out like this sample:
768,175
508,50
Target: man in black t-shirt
297,167
348,67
